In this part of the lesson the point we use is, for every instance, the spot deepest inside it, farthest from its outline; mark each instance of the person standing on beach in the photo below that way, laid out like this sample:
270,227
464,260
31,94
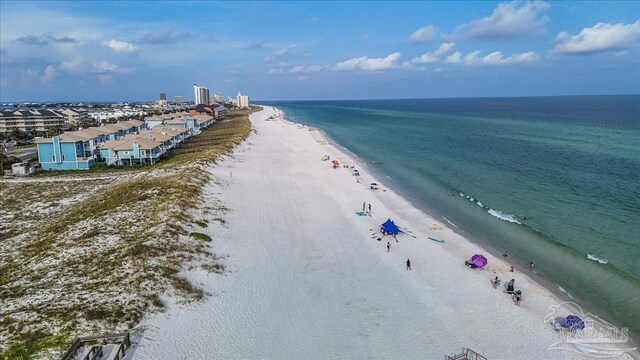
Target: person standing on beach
363,206
388,246
408,264
369,209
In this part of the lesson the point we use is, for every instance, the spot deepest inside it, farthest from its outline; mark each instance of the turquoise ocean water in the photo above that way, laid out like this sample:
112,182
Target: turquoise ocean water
570,164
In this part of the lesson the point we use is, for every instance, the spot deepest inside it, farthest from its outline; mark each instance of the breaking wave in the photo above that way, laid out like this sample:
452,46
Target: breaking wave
595,258
502,216
472,199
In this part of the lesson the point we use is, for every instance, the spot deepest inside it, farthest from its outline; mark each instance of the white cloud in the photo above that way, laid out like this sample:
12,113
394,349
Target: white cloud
275,71
284,51
369,64
104,67
425,58
121,46
75,65
472,58
454,58
302,78
508,20
307,69
444,48
279,53
296,69
50,74
424,35
432,57
600,37
495,58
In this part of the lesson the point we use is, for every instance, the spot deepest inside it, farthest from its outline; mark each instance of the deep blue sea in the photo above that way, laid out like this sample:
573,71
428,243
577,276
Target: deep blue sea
571,165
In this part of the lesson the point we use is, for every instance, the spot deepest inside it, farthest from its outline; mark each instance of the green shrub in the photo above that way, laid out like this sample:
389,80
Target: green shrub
200,236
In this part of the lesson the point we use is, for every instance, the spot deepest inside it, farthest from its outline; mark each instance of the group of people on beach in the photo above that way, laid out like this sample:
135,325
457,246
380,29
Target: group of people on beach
510,286
364,207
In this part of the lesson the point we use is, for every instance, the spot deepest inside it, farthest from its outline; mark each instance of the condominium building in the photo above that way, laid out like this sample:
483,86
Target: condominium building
30,120
218,98
163,96
201,94
74,117
242,101
178,100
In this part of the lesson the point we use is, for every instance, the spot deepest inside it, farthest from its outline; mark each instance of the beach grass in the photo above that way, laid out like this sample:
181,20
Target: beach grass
96,255
200,236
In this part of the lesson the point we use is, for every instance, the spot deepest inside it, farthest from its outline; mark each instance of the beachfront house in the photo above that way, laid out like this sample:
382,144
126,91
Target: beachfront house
204,121
123,143
220,112
152,121
129,152
176,123
65,152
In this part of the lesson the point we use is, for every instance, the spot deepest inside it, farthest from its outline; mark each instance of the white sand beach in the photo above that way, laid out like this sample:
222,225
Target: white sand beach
306,280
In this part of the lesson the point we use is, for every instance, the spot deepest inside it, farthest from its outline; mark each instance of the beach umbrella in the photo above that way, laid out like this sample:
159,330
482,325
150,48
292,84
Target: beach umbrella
479,260
573,322
374,184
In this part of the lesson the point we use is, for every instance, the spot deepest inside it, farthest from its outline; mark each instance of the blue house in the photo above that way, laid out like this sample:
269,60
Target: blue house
131,151
65,152
152,121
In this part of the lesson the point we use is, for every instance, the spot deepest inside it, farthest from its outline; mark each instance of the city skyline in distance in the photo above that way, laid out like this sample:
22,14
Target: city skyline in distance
70,51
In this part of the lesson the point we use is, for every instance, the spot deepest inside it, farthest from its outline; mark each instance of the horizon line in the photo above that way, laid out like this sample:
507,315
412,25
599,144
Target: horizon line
350,99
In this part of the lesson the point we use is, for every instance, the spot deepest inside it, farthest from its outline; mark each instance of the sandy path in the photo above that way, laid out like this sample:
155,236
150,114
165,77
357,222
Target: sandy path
307,281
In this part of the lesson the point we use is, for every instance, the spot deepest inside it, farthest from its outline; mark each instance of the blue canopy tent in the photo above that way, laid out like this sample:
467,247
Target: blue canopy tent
390,227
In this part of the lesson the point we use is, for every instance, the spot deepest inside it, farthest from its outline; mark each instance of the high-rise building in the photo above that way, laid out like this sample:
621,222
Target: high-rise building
163,96
218,98
178,99
201,95
242,101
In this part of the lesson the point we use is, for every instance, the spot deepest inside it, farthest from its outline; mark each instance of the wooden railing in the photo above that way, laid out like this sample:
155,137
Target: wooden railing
123,338
126,344
93,353
466,354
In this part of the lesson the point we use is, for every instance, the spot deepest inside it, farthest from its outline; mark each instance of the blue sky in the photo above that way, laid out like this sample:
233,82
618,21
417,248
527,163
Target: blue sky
132,51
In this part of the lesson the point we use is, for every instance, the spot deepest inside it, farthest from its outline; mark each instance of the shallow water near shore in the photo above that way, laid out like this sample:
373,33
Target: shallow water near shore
571,165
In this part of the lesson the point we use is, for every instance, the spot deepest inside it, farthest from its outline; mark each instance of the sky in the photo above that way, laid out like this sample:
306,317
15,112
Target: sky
132,51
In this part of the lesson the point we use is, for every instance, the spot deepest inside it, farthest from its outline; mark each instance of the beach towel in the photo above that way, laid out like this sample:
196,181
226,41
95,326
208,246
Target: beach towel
361,213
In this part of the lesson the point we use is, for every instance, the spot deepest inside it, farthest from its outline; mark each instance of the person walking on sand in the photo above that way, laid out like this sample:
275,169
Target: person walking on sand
369,209
496,282
363,205
408,264
388,246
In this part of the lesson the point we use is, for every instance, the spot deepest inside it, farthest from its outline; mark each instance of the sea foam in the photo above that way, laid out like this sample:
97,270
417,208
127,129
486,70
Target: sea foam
502,216
595,258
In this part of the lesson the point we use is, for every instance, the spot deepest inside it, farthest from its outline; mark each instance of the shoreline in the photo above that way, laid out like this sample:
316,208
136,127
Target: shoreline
521,268
301,291
468,234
